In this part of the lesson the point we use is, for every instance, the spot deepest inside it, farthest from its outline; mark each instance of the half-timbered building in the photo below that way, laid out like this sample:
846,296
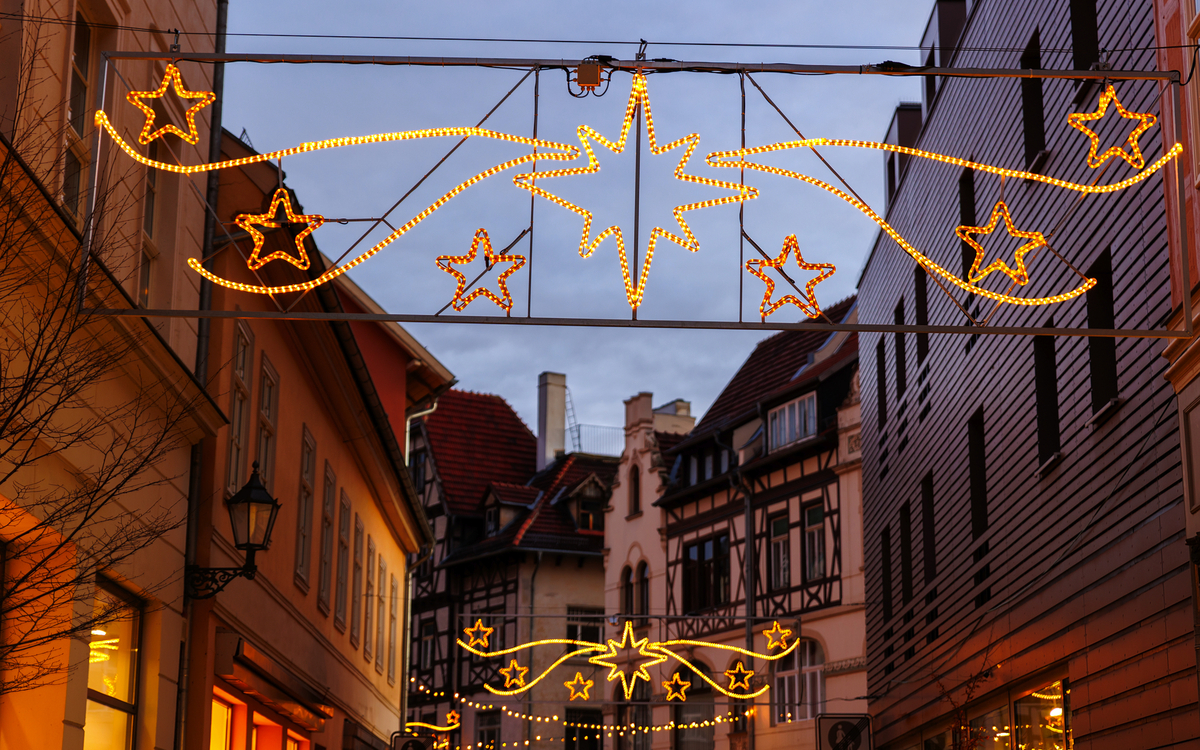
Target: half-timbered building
1028,581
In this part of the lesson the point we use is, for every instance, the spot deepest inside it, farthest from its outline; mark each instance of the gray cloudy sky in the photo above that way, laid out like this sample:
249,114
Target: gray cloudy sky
280,106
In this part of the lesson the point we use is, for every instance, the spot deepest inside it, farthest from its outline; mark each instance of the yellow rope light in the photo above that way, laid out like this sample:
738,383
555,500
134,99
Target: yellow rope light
514,673
478,634
251,222
676,687
434,727
739,675
504,300
1145,122
809,305
1020,274
171,78
609,659
777,635
579,687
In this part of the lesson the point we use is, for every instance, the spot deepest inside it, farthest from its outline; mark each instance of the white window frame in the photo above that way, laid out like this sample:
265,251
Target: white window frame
815,567
792,422
781,557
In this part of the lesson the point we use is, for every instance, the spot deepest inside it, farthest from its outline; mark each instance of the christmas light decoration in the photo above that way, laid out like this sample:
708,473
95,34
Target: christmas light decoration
579,687
453,717
171,78
478,634
809,306
1133,157
739,676
777,635
450,727
1020,274
609,659
676,687
459,302
251,222
638,97
514,673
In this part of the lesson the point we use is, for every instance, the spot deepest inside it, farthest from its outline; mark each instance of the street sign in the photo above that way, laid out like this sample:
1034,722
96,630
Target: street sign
408,742
844,732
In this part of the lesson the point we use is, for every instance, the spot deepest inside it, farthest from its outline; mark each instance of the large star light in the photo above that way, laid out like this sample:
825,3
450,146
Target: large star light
639,96
612,659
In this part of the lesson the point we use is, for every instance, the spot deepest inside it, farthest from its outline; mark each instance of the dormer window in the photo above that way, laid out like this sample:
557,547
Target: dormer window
793,422
491,519
591,509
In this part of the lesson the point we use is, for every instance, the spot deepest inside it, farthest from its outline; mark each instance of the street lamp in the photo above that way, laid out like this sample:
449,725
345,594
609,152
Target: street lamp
252,514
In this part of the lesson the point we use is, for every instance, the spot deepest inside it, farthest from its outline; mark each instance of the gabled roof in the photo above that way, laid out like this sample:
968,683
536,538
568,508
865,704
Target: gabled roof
668,440
477,439
772,367
513,494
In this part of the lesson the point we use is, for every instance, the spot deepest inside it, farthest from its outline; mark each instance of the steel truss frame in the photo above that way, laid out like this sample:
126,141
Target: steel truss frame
1171,78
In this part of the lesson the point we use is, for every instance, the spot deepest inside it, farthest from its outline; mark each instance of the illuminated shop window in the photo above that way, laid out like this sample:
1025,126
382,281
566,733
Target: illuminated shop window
112,671
1043,719
992,731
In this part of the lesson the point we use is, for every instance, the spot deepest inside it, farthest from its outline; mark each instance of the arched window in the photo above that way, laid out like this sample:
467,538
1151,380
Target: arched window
643,590
697,709
799,692
626,591
635,490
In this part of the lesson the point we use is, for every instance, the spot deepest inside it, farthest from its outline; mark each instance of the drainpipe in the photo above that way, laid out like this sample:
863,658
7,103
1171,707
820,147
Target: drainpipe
537,564
408,426
406,653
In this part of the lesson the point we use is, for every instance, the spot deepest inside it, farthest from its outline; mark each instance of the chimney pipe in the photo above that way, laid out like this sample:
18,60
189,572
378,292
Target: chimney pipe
552,417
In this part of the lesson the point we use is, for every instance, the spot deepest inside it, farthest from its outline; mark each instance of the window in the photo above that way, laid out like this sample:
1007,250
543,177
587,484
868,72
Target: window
343,563
966,218
906,566
580,731
991,730
635,490
145,262
239,414
1085,36
416,467
706,574
781,574
978,461
221,733
585,624
591,509
793,421
1043,718
799,692
1045,376
268,421
880,385
72,182
151,194
708,466
491,519
927,522
885,577
356,594
325,574
369,602
487,730
626,591
1031,102
643,590
81,68
693,470
724,460
693,718
901,369
380,623
112,671
304,507
891,177
1102,350
635,713
930,84
814,542
426,644
921,303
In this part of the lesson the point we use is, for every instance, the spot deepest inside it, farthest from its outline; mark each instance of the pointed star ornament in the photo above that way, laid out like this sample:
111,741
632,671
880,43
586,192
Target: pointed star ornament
268,219
504,299
739,676
579,687
452,718
777,635
758,266
639,97
478,634
1133,156
1020,274
514,674
171,79
627,642
676,687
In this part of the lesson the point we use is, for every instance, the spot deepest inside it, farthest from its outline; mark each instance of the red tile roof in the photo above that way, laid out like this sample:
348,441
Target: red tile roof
477,438
668,440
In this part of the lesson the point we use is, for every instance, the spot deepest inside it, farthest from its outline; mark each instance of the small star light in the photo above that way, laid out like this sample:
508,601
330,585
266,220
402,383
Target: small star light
675,687
453,718
777,635
1020,275
171,76
579,687
250,222
504,299
809,305
1134,156
514,673
739,676
478,635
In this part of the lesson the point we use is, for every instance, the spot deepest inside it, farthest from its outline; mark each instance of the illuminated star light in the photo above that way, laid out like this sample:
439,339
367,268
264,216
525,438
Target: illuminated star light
609,659
791,246
474,634
171,76
676,687
579,687
514,673
777,635
638,97
453,717
251,222
504,300
739,676
1133,157
1020,274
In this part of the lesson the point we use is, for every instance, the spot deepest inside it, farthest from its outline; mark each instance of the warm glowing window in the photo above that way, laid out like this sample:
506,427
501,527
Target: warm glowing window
112,671
1043,718
793,421
992,730
221,733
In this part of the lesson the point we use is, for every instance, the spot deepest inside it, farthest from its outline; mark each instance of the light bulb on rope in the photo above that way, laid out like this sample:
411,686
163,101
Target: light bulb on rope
1133,157
504,299
1020,274
171,79
808,306
250,223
